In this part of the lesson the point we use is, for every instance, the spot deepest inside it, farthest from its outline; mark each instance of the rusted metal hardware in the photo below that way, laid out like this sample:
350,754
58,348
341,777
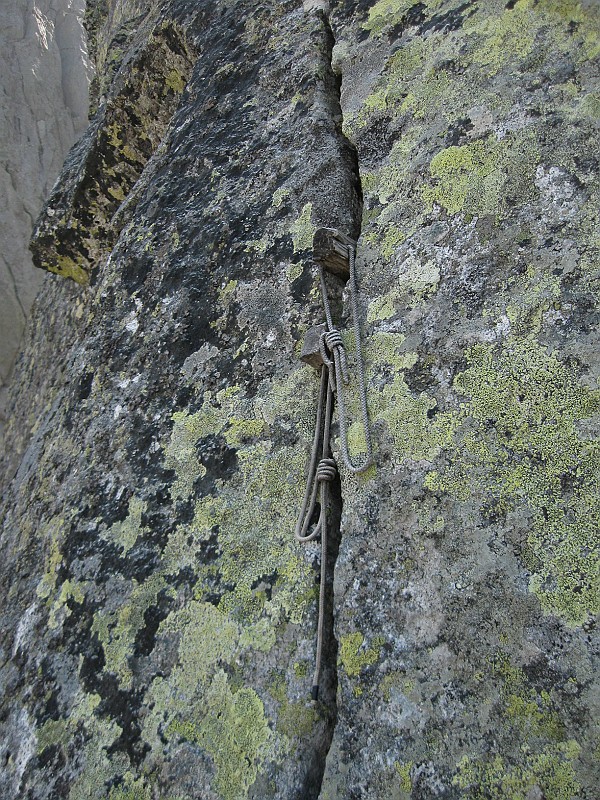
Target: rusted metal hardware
330,250
311,347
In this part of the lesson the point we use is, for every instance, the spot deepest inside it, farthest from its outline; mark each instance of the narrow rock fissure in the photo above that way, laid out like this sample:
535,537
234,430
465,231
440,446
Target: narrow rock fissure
335,286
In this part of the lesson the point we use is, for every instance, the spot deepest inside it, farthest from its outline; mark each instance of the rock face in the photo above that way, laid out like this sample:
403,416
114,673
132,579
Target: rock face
44,75
158,629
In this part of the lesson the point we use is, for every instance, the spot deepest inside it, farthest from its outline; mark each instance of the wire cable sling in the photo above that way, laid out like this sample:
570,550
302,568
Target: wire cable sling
334,376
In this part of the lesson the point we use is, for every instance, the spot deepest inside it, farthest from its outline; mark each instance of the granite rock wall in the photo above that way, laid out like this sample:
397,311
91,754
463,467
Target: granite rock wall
158,627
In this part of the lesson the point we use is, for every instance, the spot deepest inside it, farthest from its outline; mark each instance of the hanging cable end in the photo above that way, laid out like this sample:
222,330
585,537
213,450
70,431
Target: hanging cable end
315,692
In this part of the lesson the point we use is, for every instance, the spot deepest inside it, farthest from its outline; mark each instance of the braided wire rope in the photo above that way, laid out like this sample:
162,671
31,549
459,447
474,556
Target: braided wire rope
333,336
334,375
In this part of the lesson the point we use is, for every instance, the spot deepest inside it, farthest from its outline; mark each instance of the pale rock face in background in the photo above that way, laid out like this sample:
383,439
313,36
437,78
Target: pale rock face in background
44,77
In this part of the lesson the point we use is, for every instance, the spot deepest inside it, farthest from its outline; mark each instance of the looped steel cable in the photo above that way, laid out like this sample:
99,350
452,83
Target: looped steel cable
334,375
319,477
338,369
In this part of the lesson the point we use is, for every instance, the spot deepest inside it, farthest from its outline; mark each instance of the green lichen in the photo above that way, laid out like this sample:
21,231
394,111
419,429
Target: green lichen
508,37
303,230
69,590
248,518
67,267
117,630
530,713
550,771
234,731
407,417
353,657
391,89
280,195
384,307
175,81
403,771
125,533
476,178
54,733
54,533
387,241
388,13
117,193
518,443
132,788
98,735
301,669
427,94
294,719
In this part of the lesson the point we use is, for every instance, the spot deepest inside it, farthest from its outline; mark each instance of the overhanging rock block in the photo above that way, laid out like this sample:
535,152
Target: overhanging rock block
330,251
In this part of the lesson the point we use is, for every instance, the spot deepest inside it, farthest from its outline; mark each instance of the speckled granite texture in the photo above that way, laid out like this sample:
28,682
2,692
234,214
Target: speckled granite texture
158,623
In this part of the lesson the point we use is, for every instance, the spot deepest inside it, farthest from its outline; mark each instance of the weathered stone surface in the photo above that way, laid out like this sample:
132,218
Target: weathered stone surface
467,580
44,80
158,624
150,520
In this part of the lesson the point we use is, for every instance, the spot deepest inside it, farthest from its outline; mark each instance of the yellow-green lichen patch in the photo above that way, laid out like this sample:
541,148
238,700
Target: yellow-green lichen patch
387,239
303,230
223,415
387,13
384,307
549,774
505,37
124,534
70,590
529,31
279,196
391,89
253,532
354,657
117,630
132,788
54,532
200,705
234,731
416,430
67,267
427,95
175,81
294,719
530,713
409,422
208,638
54,733
519,444
476,178
255,509
98,735
260,575
403,770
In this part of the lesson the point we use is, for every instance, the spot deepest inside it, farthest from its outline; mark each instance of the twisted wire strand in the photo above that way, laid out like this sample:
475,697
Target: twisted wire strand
320,475
312,485
321,472
338,369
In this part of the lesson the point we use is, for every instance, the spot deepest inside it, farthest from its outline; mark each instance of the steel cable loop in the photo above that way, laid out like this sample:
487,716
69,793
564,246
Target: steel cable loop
310,491
321,472
339,370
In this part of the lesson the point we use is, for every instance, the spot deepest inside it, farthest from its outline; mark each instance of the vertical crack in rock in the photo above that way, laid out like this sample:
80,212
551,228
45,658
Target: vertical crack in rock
352,225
